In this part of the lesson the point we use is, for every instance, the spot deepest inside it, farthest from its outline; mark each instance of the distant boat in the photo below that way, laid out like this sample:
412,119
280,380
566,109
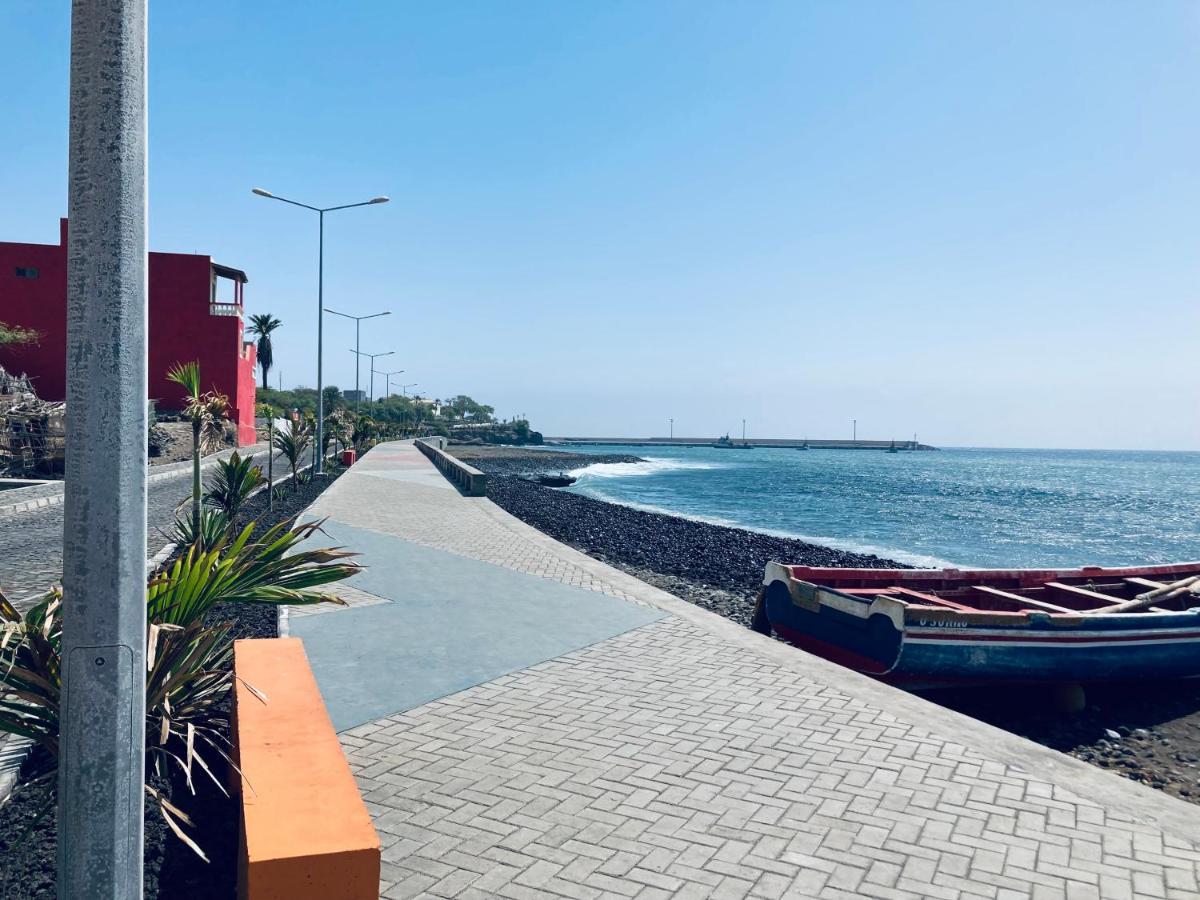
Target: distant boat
804,446
724,443
892,449
938,627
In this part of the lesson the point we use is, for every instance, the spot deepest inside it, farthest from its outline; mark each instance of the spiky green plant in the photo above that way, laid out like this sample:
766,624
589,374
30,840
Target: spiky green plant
214,526
188,661
293,442
268,570
232,481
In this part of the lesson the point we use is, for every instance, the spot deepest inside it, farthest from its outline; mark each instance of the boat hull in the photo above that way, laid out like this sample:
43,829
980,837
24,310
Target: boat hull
923,646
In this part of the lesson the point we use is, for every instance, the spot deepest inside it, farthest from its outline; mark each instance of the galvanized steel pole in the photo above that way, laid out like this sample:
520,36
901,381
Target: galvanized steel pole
319,463
104,543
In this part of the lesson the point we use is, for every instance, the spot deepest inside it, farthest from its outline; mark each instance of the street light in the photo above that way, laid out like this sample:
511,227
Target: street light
357,321
404,388
372,357
387,391
102,671
319,468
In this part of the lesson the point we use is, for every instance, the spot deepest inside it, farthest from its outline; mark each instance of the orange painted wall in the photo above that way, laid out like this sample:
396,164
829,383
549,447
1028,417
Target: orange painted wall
306,833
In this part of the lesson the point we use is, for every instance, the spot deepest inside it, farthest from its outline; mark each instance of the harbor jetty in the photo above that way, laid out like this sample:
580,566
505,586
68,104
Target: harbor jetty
786,443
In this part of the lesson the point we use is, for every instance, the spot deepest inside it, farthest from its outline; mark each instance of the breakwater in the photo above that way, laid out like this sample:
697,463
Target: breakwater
785,443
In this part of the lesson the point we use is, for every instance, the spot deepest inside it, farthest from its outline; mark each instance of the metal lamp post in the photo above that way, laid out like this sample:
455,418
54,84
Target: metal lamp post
319,468
404,388
357,321
372,357
103,713
387,391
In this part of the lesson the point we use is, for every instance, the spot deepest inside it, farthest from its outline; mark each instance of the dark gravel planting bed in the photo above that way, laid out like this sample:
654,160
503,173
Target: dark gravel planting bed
172,870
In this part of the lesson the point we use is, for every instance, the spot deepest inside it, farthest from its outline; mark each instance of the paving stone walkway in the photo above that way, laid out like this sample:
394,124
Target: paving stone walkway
689,757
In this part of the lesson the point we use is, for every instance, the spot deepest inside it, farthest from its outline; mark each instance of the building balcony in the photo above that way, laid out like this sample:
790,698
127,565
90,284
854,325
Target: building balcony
225,309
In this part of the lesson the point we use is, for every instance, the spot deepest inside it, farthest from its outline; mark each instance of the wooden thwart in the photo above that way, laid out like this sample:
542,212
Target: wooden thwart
1018,600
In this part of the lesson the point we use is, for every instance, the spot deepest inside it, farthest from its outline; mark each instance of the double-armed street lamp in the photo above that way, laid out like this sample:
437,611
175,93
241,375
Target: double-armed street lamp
373,357
357,323
404,388
387,391
319,468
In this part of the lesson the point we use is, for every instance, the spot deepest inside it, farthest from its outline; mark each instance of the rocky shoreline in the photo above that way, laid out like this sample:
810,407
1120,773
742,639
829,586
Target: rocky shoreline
1145,732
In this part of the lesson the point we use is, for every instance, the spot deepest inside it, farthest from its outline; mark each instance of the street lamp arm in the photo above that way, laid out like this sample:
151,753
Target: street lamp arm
348,205
271,196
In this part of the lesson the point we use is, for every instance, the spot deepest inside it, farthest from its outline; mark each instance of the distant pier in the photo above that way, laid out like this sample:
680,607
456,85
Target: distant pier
792,443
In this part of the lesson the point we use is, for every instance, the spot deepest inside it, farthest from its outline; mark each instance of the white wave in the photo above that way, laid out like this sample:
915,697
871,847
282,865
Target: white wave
649,466
920,560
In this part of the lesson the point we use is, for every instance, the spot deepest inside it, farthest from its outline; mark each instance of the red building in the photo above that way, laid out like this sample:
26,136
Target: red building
195,314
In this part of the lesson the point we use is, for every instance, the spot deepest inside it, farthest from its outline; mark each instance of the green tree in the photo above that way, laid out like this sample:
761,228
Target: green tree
207,413
11,334
261,326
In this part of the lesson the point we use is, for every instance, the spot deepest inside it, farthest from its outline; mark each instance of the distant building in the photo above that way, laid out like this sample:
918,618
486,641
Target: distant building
195,314
355,396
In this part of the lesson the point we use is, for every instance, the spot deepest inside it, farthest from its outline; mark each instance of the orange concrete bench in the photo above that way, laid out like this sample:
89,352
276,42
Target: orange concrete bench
305,832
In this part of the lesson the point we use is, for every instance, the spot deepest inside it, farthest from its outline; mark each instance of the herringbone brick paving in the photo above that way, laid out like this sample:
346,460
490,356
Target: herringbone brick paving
671,761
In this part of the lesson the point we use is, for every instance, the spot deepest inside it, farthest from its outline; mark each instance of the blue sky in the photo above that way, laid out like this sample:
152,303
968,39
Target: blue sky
974,221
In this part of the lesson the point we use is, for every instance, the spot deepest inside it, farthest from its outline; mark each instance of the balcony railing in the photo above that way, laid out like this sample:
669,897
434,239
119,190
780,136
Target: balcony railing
224,309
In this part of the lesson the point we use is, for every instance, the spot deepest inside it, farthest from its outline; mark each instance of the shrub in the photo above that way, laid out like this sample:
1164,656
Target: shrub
188,661
232,481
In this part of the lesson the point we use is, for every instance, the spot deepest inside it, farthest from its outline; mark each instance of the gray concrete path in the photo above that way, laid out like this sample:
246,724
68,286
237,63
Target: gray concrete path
525,721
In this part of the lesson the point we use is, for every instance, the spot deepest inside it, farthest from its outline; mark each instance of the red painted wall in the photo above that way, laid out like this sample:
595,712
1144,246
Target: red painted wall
181,327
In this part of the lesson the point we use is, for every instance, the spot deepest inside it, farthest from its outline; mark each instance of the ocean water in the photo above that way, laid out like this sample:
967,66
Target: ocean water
966,507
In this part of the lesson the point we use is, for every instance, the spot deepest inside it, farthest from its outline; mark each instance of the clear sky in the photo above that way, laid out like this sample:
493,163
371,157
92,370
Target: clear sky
979,222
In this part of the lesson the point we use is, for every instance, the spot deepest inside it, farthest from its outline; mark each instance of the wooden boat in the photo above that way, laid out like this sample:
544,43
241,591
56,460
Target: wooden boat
938,627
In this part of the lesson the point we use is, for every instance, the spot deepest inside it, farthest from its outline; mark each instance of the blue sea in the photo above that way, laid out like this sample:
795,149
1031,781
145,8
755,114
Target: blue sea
965,507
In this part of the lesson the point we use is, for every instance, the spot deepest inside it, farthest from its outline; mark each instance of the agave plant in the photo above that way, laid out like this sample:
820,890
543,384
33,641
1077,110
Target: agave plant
214,527
30,655
232,481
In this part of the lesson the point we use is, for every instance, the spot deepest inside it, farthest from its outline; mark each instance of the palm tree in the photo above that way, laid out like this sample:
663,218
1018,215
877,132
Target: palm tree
207,412
262,325
293,444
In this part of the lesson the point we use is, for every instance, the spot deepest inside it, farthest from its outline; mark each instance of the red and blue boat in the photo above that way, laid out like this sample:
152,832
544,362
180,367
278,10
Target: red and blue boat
941,627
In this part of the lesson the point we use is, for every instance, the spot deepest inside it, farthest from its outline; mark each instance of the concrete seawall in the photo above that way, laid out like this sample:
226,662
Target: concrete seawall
793,443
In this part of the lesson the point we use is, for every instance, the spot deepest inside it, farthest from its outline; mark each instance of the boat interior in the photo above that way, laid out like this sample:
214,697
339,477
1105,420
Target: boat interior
1152,589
